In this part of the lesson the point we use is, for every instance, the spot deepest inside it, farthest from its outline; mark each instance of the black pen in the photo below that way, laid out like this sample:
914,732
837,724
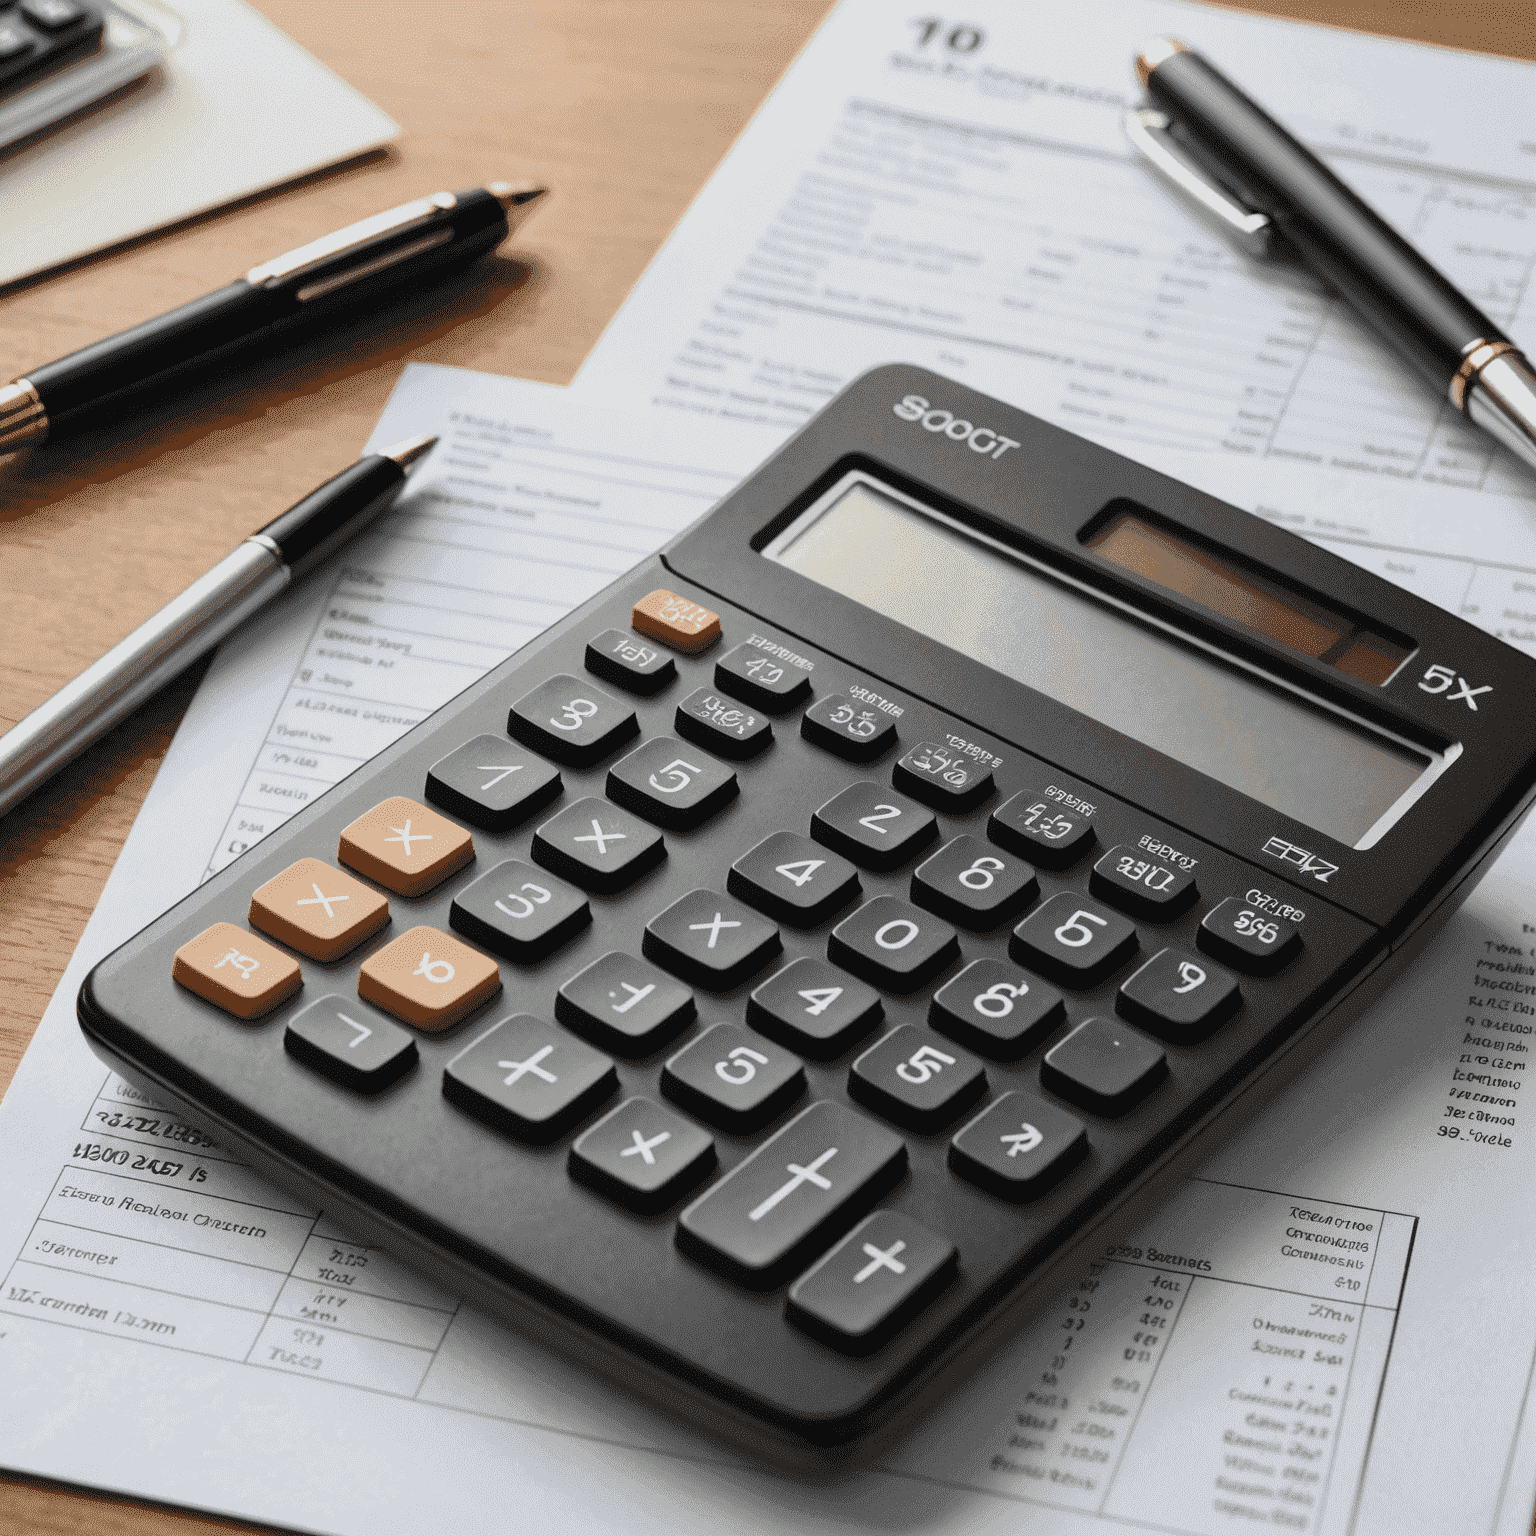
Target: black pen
189,626
1275,197
347,271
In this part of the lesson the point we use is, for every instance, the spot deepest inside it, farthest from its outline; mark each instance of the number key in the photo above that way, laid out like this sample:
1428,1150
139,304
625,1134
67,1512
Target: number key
874,826
1072,941
814,1008
492,784
1178,997
1251,940
674,785
733,1078
793,879
1040,830
971,883
893,945
916,1079
519,912
571,721
997,1009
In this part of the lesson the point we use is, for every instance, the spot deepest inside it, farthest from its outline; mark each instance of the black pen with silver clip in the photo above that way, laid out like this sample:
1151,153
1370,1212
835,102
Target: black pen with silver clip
347,271
1274,197
189,626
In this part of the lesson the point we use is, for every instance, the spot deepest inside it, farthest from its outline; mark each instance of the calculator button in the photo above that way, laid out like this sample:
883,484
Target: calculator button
404,846
793,879
814,1008
971,883
642,1155
733,1078
1178,997
1018,1146
350,1044
858,732
1040,830
916,1079
997,1009
624,1005
675,786
763,681
722,725
1073,941
874,826
519,912
875,1280
892,944
493,783
941,777
571,721
1251,940
52,15
1103,1066
234,970
529,1078
711,940
617,656
771,1212
677,621
597,846
317,910
428,979
1126,878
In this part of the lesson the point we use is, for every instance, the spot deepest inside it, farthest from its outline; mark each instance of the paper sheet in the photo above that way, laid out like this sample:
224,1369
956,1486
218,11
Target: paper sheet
1331,1327
210,129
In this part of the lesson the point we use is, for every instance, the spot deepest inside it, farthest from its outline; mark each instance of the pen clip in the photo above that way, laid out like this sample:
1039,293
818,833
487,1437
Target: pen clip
1148,131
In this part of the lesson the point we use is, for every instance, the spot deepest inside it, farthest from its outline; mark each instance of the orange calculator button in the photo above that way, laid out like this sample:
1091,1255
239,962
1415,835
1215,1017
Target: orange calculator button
236,971
317,910
676,621
404,846
428,979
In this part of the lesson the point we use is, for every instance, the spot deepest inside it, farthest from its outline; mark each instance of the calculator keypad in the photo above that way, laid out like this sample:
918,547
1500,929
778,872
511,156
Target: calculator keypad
597,846
404,846
941,777
1073,940
317,910
794,880
873,826
674,785
733,1078
570,720
428,979
519,912
1103,1066
529,1079
618,656
1251,940
814,1008
1018,1146
916,1079
234,970
1144,887
493,783
1038,829
761,1220
893,944
642,1155
350,1043
1178,996
624,1005
712,720
974,884
711,940
676,620
763,681
998,1009
857,732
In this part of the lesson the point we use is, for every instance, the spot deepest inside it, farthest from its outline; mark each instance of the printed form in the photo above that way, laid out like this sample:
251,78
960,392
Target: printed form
1325,1321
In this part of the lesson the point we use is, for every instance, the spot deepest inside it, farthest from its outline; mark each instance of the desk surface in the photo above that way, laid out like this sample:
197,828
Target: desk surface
566,89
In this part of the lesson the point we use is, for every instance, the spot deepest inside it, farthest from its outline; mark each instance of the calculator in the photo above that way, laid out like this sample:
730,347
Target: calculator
765,975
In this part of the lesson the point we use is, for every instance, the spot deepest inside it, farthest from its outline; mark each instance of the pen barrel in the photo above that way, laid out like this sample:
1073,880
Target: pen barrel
334,513
1409,301
137,667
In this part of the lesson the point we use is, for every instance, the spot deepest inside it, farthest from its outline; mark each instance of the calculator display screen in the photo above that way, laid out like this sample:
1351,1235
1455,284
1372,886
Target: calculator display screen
974,595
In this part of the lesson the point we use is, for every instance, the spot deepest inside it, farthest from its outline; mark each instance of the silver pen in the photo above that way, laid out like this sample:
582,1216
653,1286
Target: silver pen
189,626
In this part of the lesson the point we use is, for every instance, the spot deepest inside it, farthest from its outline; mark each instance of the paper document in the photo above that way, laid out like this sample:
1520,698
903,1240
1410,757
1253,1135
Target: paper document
1331,1328
208,129
961,195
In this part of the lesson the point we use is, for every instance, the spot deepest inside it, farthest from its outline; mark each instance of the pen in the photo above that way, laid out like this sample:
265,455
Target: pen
245,580
414,244
1274,196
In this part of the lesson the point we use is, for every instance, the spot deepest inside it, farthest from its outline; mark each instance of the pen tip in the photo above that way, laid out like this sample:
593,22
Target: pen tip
517,197
406,453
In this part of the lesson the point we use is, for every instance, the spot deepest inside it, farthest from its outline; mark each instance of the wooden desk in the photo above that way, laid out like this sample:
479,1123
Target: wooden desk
625,106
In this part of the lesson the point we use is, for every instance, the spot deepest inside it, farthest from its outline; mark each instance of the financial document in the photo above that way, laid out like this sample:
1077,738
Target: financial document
1323,1319
959,193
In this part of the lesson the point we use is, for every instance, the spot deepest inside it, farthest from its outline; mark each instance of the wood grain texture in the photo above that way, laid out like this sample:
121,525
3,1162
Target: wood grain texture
625,106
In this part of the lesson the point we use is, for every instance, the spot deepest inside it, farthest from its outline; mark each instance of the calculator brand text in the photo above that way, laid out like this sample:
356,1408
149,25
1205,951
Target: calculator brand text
1307,863
934,418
